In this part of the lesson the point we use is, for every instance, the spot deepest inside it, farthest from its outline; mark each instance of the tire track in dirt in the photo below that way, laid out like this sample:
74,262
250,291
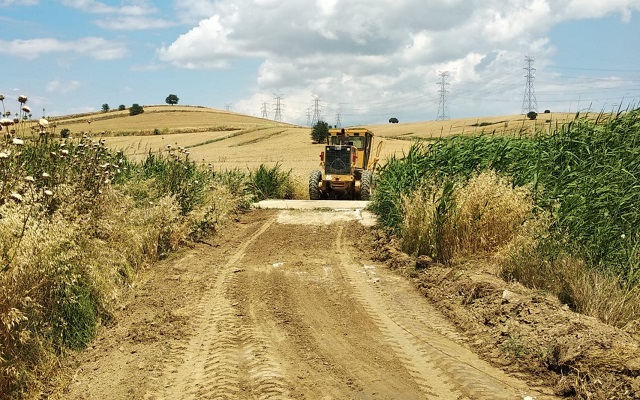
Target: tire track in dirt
224,356
462,375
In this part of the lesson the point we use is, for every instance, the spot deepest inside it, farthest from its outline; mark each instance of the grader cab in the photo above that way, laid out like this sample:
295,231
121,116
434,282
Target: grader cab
347,166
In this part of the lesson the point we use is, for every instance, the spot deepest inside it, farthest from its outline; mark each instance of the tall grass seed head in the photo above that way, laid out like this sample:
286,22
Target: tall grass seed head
17,142
22,99
26,109
43,122
6,122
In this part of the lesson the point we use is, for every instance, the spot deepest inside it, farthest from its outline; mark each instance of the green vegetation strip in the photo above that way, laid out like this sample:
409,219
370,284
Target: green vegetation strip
585,175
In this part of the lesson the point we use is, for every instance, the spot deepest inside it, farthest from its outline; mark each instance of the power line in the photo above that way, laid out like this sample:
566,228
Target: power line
278,112
594,69
529,103
443,113
317,116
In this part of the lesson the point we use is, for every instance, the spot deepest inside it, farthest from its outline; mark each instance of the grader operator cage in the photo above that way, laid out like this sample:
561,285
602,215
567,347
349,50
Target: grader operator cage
347,166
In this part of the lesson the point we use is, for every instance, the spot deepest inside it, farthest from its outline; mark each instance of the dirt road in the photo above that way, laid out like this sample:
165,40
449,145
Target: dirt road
283,305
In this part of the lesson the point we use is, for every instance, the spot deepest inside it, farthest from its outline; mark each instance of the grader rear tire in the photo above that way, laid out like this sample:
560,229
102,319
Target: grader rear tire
314,181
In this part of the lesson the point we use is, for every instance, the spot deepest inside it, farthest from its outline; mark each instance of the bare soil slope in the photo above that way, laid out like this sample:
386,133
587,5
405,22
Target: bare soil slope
284,305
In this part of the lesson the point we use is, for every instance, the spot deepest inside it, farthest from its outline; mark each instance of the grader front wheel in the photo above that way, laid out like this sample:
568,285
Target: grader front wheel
314,181
366,185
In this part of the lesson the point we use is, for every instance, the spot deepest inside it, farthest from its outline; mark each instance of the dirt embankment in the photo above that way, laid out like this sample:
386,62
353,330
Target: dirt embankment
525,332
290,305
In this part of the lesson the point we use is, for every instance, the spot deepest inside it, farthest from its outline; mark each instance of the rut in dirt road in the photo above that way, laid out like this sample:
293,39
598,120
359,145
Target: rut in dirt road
224,351
293,314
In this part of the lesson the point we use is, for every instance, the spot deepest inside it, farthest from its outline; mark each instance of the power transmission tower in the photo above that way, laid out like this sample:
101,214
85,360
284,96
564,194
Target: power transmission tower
227,106
278,112
443,112
529,103
316,111
308,116
338,120
265,115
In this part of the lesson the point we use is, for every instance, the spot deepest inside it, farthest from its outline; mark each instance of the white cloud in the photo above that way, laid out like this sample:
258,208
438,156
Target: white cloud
91,6
130,23
343,51
578,9
94,47
205,46
192,11
7,3
60,87
135,15
516,19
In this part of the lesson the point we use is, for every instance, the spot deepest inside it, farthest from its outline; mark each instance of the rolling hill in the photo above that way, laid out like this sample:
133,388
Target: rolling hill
229,140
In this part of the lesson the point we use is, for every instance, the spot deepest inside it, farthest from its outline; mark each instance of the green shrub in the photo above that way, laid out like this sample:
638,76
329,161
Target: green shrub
178,176
320,132
76,317
271,183
136,109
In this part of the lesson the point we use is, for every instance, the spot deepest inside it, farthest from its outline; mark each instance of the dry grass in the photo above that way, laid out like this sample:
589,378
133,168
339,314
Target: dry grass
587,291
490,212
167,119
505,124
224,139
63,270
459,221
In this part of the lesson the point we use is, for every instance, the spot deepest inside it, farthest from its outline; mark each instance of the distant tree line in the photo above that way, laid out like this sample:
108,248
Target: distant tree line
136,109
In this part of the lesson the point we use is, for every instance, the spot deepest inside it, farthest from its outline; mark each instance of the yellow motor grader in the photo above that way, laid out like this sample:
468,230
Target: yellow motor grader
347,166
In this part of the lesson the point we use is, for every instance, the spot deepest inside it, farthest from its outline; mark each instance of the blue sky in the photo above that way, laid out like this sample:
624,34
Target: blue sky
364,60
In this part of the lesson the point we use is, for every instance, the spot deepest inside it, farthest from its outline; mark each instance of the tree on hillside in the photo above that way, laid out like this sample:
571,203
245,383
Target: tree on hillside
122,107
172,99
136,109
532,115
320,132
105,107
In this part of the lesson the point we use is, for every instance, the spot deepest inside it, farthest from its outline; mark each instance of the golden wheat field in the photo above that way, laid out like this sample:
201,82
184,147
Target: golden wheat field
230,140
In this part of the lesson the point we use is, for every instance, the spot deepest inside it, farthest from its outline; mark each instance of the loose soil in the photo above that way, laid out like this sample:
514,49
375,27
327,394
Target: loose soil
284,305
